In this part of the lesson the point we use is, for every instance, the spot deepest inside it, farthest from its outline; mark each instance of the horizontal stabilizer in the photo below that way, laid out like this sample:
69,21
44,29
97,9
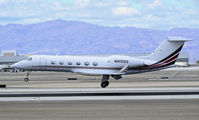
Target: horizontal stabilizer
178,39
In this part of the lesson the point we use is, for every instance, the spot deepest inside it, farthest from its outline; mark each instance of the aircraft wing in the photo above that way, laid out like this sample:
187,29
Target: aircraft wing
122,71
95,71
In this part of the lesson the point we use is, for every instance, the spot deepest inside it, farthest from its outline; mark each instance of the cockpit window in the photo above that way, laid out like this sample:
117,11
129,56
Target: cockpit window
29,59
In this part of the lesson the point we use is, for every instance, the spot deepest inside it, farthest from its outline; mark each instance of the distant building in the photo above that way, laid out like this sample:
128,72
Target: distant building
10,56
7,60
9,53
183,59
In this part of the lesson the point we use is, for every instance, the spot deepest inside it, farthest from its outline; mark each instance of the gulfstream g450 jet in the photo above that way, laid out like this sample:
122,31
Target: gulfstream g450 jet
107,66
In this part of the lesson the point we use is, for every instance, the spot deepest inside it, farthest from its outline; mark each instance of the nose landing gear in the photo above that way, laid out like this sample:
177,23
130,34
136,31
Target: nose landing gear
26,79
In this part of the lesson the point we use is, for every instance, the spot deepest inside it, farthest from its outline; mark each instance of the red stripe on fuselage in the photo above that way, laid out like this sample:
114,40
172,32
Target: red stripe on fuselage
165,62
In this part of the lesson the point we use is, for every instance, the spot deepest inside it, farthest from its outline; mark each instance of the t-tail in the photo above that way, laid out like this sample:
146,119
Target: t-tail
167,52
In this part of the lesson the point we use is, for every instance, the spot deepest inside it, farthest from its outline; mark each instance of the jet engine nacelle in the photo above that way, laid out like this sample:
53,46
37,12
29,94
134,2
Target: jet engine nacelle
135,62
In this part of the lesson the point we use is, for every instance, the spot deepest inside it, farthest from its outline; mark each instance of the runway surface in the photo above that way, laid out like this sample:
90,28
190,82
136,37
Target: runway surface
167,95
179,84
101,110
99,93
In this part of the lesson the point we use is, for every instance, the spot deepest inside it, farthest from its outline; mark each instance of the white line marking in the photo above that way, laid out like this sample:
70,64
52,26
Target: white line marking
31,90
159,97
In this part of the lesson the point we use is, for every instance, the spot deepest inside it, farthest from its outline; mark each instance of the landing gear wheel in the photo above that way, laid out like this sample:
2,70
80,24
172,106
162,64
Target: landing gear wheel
104,84
26,79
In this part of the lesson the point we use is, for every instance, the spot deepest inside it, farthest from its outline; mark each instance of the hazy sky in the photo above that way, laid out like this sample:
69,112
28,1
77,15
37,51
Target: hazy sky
155,14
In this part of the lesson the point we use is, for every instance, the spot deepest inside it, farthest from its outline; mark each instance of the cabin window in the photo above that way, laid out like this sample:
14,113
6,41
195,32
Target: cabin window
78,63
61,62
86,63
29,59
69,63
95,64
52,62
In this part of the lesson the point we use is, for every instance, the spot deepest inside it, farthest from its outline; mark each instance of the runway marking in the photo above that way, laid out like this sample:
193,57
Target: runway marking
99,98
98,94
15,90
141,93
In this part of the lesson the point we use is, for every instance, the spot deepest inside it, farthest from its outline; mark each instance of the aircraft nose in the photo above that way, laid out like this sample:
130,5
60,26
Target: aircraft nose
16,65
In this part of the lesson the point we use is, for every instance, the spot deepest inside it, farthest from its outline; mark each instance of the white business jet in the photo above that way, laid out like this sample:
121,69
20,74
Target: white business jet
113,65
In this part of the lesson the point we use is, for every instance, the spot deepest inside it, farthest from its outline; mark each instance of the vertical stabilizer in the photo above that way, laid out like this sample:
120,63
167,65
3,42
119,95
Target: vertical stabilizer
168,51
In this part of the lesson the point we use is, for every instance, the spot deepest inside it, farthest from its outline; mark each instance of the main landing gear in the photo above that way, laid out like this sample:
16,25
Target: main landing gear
26,79
105,81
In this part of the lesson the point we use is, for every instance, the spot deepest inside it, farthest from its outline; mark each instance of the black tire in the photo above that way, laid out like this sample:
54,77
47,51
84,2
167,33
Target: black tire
26,79
104,84
107,83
